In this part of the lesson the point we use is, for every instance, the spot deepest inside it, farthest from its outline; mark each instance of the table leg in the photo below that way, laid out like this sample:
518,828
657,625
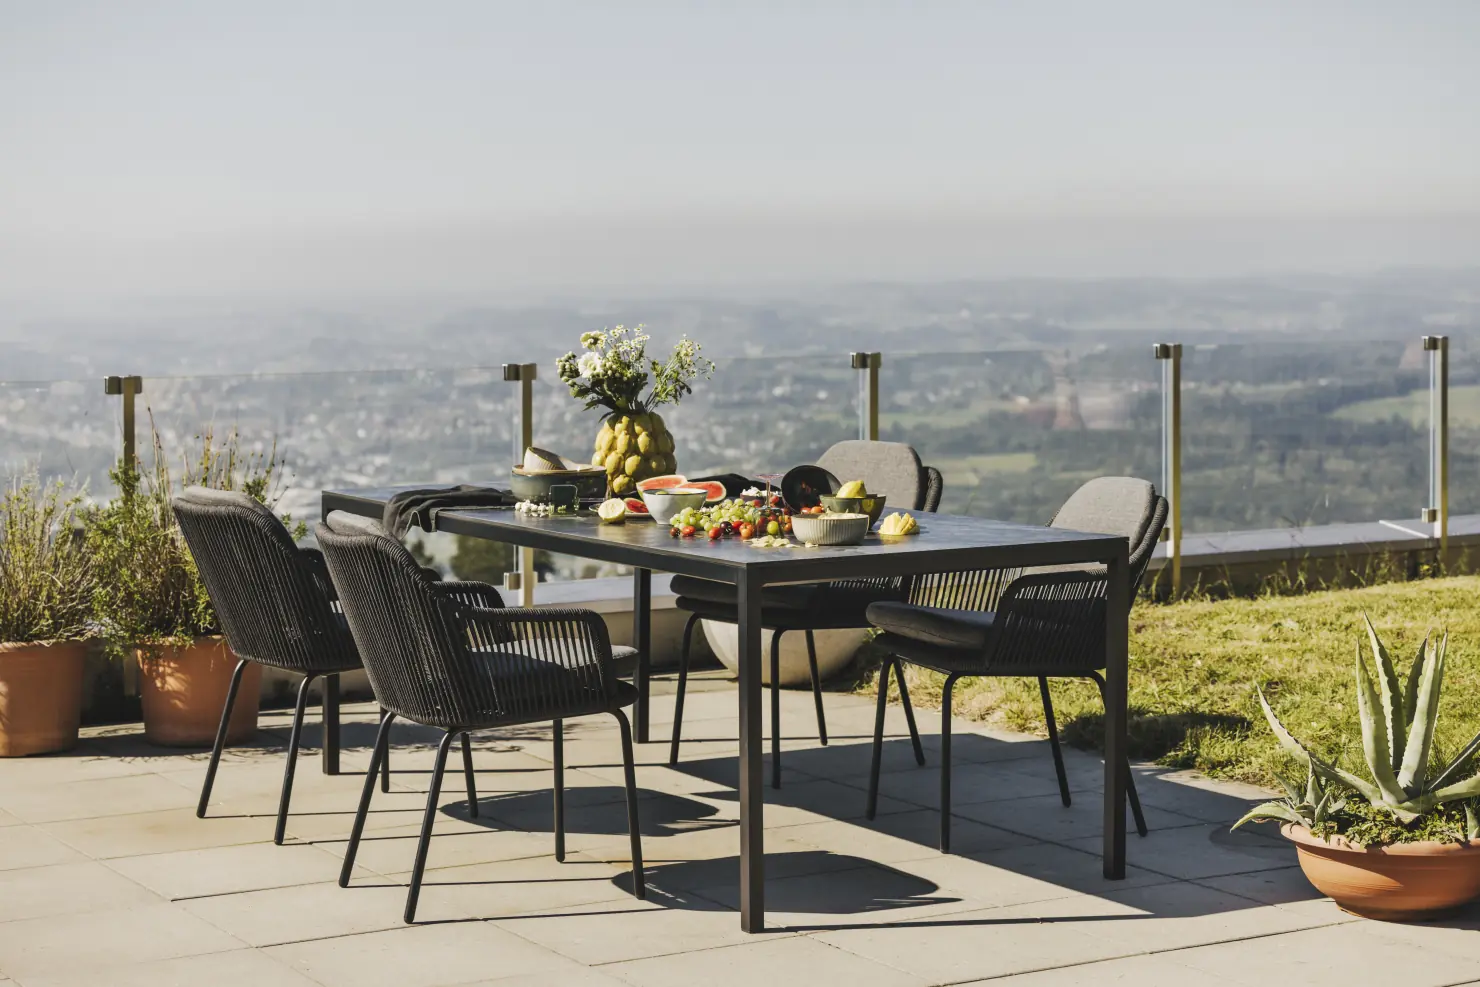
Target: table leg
642,640
752,791
1117,630
331,724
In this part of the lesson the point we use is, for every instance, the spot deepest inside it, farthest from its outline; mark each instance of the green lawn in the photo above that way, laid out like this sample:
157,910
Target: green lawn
1194,667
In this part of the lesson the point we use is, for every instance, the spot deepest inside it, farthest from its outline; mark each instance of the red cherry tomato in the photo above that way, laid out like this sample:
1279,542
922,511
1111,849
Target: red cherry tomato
716,533
688,531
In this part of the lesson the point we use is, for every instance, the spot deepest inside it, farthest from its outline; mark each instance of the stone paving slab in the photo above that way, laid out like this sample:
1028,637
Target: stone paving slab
107,876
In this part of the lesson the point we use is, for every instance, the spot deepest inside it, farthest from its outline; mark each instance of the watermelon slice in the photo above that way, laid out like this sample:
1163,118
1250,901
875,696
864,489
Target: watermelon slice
662,482
636,506
714,491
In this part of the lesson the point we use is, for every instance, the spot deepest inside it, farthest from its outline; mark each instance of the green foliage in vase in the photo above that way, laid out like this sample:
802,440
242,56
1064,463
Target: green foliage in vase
153,594
47,580
1407,789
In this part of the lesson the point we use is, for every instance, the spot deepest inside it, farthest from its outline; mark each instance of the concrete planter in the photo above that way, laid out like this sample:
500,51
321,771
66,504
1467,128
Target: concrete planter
182,691
40,696
835,649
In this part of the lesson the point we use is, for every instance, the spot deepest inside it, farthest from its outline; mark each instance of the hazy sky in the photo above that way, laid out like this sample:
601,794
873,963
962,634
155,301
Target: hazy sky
274,147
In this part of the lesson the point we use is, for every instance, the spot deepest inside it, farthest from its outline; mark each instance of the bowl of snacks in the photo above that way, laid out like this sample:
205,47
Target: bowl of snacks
838,504
665,503
830,529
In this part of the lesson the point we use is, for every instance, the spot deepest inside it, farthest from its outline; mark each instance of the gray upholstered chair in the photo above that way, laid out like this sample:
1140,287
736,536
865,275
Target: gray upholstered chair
889,468
1047,622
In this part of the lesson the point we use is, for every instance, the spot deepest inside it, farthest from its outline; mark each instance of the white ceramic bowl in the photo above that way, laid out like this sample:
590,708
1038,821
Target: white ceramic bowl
663,504
830,529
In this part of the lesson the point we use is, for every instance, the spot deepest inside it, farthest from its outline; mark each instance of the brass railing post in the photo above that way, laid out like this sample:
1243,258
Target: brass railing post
128,388
868,365
1171,453
523,579
1437,513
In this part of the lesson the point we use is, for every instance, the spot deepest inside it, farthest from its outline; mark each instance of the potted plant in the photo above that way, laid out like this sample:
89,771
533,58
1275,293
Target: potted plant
46,590
612,372
154,607
1403,842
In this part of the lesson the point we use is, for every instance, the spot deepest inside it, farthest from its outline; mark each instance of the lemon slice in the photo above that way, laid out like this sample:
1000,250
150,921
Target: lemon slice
612,511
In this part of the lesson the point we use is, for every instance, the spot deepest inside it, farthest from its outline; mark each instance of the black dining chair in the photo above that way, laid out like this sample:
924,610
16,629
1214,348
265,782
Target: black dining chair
889,468
449,656
1047,622
275,605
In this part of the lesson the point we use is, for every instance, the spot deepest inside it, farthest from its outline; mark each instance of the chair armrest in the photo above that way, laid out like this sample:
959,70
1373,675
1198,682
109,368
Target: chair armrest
470,593
574,640
1052,620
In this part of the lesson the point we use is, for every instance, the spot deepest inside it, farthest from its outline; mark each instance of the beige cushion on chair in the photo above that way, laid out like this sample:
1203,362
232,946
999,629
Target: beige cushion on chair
889,468
1109,505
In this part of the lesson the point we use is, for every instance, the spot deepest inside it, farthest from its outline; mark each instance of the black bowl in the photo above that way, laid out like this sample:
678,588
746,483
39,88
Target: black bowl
805,486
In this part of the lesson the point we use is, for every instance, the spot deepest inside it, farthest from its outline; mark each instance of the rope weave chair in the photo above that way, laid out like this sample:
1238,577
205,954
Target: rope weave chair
275,604
447,655
1047,622
889,468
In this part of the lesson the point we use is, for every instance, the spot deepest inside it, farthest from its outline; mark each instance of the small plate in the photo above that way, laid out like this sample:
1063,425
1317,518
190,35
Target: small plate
804,486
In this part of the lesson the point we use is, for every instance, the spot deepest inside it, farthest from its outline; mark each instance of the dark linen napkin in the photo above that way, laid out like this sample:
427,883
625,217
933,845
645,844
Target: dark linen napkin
420,507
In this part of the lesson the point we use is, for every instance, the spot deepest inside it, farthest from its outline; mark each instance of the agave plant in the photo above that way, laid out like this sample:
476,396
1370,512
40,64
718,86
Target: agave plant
1397,742
1308,807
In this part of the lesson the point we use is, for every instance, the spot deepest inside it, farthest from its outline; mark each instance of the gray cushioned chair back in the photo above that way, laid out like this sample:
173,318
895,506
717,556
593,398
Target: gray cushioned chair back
1109,505
889,468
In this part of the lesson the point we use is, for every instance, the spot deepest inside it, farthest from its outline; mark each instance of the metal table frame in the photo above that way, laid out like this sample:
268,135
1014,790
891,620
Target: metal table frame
946,544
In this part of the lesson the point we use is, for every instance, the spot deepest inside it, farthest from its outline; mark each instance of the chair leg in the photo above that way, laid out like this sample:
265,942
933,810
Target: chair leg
1053,740
293,736
467,746
385,760
683,682
205,790
634,830
945,764
873,771
377,761
426,827
1130,778
559,790
816,687
909,712
776,709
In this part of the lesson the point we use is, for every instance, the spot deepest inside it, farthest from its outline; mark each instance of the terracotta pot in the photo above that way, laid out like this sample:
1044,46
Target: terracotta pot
1404,882
40,696
182,691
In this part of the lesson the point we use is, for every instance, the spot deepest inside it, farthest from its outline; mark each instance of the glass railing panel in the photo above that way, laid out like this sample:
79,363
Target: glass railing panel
1464,423
63,429
1281,434
1015,432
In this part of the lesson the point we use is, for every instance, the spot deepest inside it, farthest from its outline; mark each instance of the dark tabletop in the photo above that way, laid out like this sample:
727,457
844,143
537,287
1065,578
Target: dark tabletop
944,543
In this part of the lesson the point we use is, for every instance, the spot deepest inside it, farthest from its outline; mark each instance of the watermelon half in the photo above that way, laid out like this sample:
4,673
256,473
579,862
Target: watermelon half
662,482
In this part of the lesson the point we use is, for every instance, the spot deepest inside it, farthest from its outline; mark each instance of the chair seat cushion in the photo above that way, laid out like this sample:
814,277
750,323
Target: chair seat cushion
815,605
963,629
708,590
528,688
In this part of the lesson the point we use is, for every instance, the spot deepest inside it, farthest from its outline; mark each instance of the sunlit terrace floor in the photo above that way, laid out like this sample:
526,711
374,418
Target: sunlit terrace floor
107,877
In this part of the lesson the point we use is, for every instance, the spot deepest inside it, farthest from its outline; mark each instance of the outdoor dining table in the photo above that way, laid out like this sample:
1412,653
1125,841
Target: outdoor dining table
944,543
